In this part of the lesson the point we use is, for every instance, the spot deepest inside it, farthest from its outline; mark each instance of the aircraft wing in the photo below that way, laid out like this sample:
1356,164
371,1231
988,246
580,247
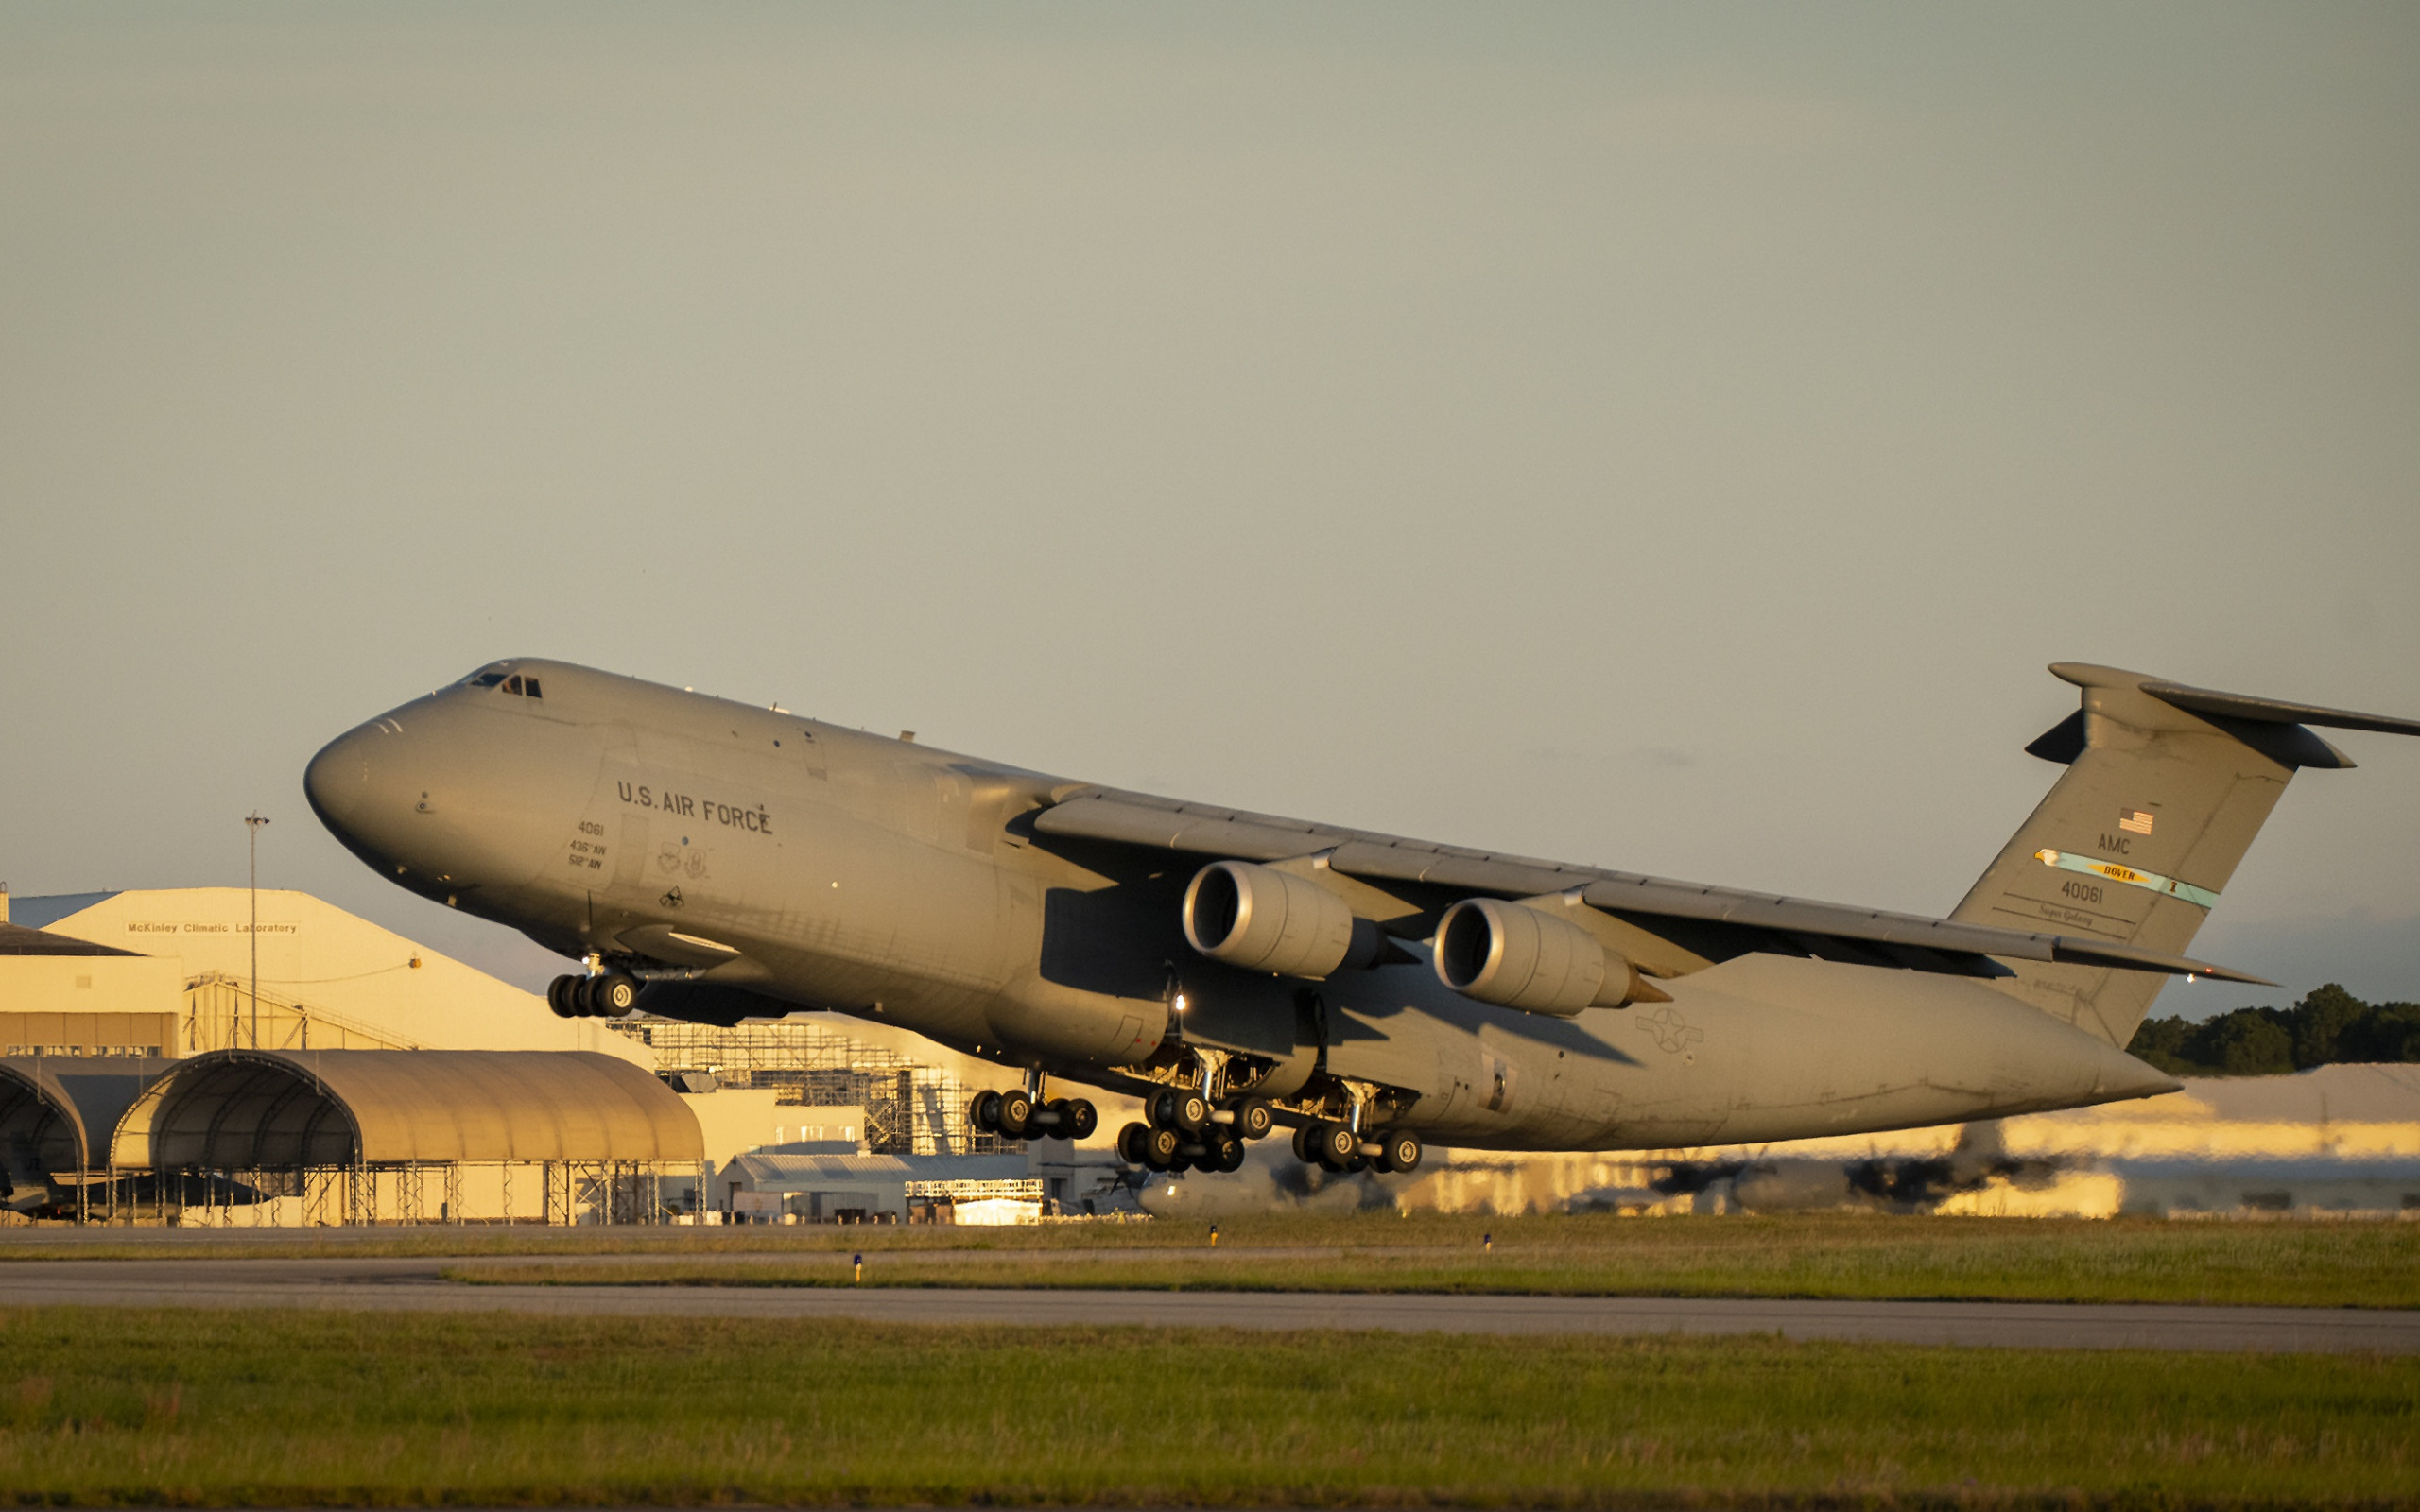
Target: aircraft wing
1751,920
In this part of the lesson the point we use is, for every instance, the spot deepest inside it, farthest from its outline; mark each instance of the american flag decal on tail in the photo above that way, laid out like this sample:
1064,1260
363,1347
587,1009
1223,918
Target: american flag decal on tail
2134,819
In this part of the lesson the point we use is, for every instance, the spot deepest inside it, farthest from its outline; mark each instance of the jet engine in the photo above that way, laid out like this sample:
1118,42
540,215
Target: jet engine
1264,920
1522,957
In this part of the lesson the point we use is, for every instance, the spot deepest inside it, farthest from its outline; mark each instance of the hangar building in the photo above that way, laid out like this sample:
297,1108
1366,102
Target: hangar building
329,980
428,1089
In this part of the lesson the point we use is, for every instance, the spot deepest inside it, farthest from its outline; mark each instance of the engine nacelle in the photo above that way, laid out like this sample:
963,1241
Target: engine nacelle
1264,920
1521,957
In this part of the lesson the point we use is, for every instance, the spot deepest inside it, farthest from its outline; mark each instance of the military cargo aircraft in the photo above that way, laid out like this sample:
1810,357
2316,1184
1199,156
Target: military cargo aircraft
712,861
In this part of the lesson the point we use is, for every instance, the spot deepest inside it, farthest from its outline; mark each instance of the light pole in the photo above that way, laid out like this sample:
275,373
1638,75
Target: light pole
254,823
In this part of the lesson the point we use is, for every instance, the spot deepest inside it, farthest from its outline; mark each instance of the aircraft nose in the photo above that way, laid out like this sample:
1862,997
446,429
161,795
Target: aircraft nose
346,790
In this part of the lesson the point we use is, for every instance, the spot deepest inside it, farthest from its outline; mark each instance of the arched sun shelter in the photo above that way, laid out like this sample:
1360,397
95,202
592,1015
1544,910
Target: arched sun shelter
56,1117
40,1135
354,1134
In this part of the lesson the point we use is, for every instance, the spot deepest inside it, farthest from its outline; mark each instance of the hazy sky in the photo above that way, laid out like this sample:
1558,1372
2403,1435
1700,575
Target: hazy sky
1673,439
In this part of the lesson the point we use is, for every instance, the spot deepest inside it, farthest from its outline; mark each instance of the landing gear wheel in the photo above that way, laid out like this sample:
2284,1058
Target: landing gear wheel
1335,1146
984,1112
616,994
1303,1150
608,995
1399,1152
1016,1111
1131,1143
1223,1155
1055,1127
1254,1119
1080,1120
560,997
1159,1147
1174,1108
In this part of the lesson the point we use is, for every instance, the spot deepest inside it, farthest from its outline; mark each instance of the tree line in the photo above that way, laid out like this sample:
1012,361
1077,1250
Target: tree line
2329,1025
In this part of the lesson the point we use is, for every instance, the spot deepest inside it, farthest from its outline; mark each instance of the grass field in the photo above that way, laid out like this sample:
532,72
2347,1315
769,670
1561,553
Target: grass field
2370,1264
2357,1264
113,1407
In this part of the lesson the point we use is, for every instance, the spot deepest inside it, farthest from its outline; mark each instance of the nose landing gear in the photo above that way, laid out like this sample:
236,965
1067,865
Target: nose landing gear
609,994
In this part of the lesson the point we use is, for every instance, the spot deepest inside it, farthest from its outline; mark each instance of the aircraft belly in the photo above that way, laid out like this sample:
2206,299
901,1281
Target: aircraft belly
1482,1074
1763,1047
1769,1047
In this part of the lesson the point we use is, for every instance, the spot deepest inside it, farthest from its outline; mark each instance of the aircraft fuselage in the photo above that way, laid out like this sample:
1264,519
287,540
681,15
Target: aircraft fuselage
746,859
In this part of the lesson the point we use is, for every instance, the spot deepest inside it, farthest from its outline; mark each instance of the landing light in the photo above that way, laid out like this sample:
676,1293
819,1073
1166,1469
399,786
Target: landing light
1179,1003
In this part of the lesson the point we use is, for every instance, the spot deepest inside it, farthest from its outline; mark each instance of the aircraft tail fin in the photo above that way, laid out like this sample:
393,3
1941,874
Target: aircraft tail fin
2164,788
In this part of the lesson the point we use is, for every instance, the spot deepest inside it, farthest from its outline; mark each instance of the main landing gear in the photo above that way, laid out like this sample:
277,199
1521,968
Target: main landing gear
606,995
1015,1114
1335,1147
1186,1133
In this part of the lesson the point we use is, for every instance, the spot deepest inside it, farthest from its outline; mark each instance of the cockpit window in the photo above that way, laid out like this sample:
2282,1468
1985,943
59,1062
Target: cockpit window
508,681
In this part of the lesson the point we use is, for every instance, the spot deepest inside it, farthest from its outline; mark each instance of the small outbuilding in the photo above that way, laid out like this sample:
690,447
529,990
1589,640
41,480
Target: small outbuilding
836,1188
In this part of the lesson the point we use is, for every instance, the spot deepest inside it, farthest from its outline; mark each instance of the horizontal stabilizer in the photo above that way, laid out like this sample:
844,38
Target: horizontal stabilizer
2274,711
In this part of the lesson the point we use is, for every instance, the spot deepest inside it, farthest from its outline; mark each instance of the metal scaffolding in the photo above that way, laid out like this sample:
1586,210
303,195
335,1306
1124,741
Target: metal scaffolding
223,1013
910,1108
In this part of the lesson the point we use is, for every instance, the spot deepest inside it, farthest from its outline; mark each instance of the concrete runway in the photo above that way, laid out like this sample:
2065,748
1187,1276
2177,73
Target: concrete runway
416,1285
